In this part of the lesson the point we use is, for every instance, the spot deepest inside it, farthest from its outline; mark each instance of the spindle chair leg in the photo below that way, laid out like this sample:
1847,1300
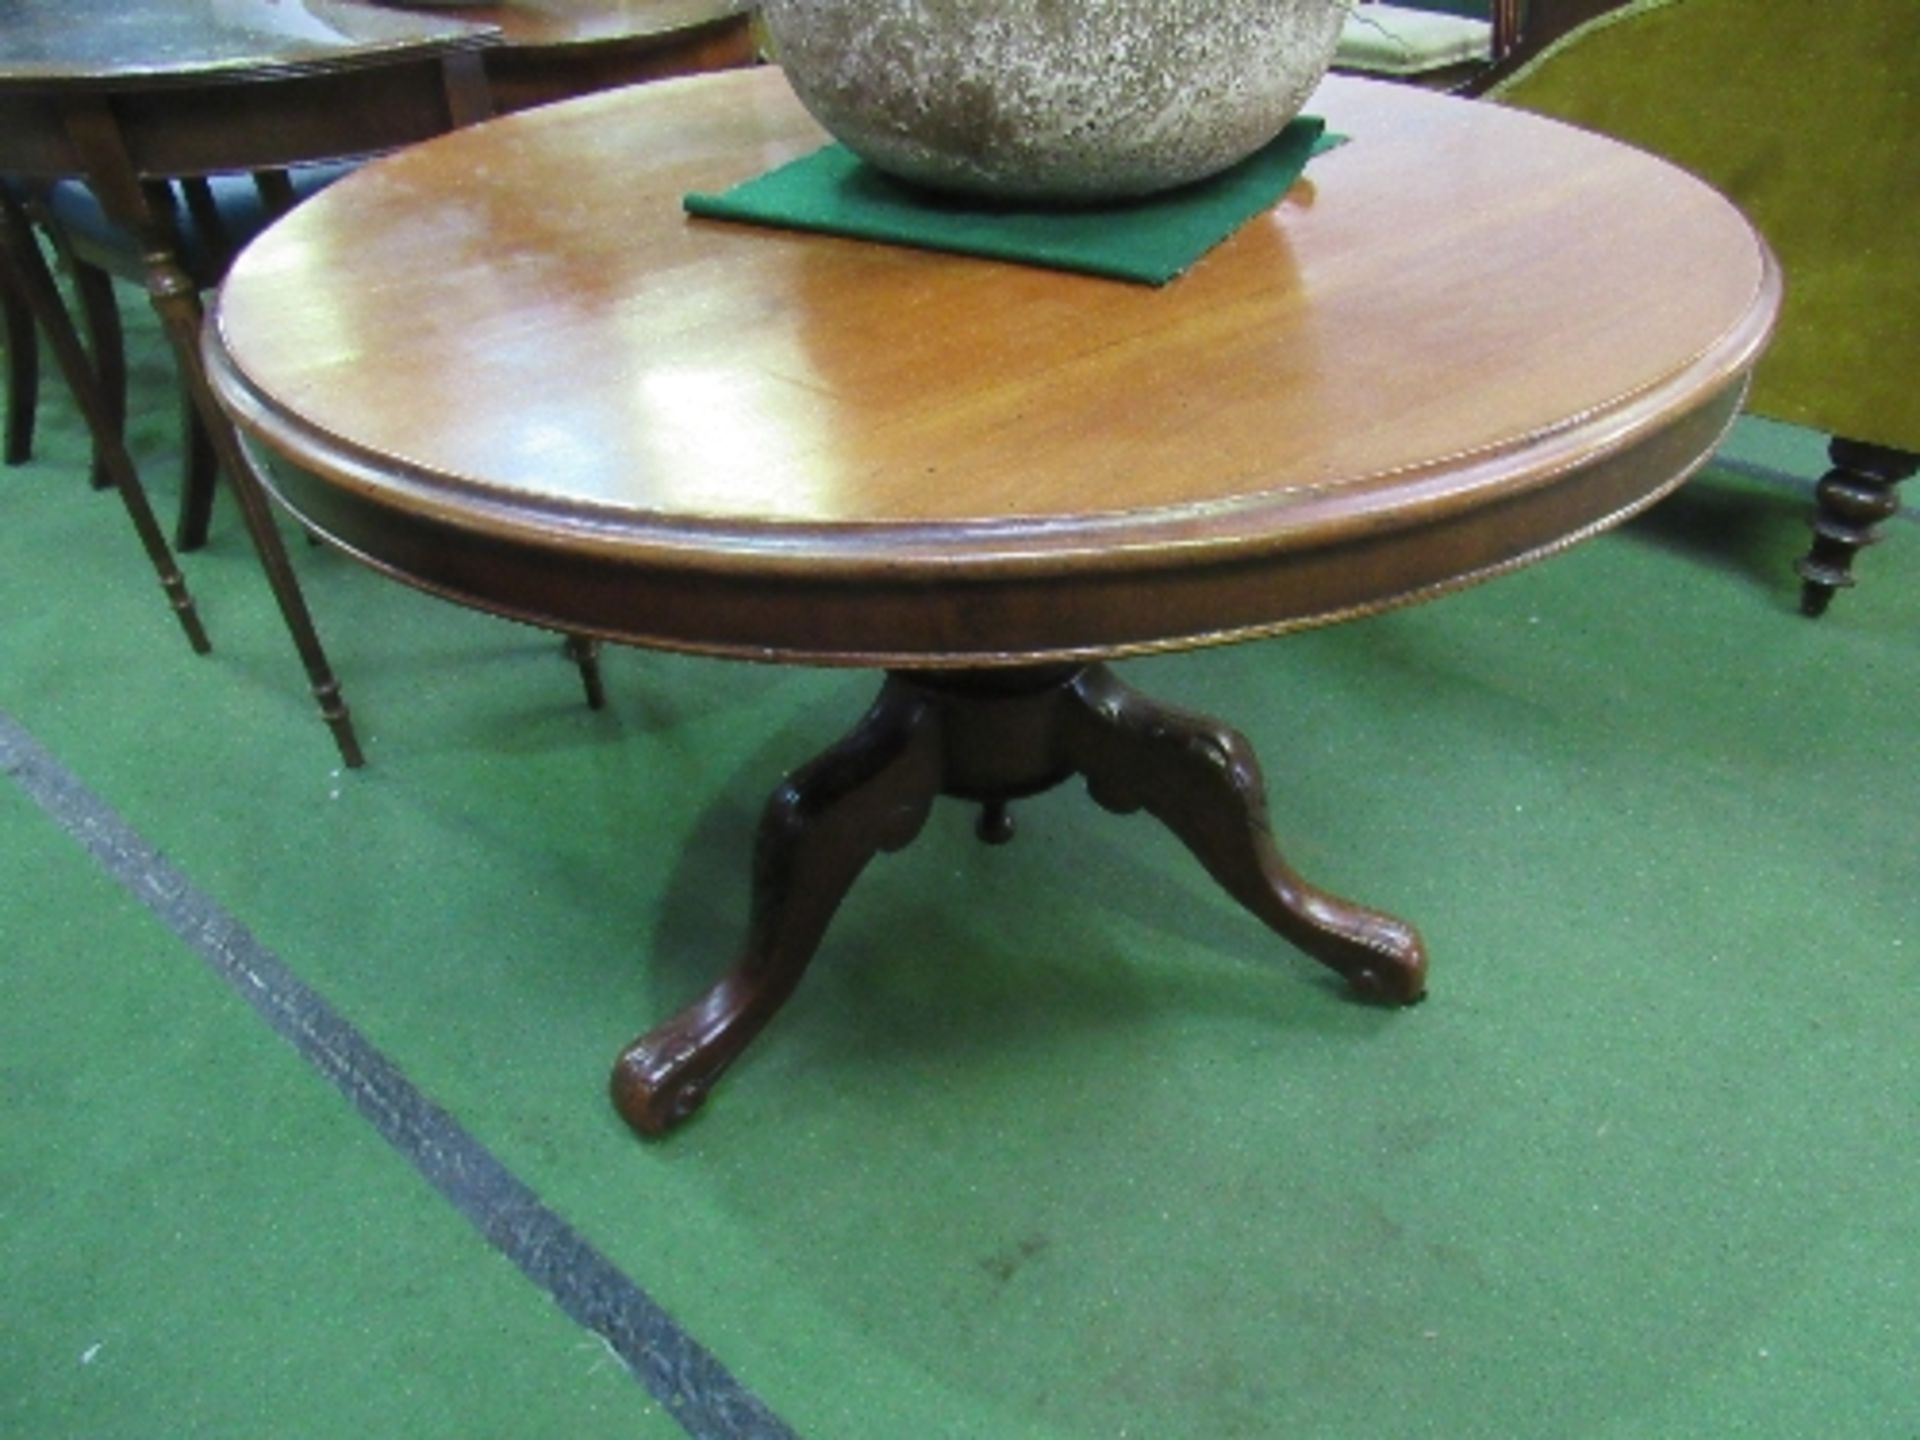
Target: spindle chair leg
24,272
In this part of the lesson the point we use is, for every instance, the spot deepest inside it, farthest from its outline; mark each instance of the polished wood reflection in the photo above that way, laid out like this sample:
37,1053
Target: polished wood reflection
1466,336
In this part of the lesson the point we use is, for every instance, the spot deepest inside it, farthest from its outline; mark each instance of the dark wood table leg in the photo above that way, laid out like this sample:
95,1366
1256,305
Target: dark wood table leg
23,269
869,793
23,374
1200,780
994,737
1853,498
106,344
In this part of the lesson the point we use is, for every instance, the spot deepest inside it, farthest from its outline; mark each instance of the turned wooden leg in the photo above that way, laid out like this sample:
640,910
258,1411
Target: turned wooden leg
1853,498
1200,780
178,305
869,793
24,272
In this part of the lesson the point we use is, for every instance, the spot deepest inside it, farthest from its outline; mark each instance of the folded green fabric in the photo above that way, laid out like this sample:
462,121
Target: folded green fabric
1149,241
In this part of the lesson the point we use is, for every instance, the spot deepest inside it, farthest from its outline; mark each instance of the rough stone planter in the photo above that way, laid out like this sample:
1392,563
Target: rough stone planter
1054,100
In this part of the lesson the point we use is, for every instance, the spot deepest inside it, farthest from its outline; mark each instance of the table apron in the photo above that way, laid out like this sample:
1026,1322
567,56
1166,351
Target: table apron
961,613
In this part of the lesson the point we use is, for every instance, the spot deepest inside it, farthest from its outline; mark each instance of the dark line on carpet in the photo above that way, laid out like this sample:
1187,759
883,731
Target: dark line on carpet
680,1373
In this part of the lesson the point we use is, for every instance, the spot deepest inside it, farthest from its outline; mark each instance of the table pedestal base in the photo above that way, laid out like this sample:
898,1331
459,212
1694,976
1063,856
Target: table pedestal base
994,736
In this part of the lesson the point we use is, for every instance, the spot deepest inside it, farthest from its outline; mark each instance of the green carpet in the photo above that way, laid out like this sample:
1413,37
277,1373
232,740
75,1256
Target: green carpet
1054,1142
197,1231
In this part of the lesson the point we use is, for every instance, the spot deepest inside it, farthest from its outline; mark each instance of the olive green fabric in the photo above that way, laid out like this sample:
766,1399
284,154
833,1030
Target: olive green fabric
1806,115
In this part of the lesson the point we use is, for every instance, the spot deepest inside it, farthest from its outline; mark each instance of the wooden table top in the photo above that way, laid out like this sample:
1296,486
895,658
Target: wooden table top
513,371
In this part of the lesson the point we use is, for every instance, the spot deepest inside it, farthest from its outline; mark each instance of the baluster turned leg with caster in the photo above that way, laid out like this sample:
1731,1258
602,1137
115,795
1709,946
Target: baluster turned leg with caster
1853,498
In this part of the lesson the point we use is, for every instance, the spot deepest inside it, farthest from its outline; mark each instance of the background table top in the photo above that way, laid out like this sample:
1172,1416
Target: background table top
1467,337
127,43
139,43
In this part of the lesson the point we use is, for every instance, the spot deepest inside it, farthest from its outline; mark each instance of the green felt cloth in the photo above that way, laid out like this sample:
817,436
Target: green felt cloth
1149,241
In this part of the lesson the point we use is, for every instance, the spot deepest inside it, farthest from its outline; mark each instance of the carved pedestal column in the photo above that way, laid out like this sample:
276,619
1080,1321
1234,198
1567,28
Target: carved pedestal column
993,737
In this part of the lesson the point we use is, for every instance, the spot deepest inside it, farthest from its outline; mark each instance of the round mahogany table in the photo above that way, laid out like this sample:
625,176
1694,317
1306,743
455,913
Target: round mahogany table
508,369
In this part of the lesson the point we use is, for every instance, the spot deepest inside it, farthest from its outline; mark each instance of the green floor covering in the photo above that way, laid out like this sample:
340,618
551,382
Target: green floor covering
1054,1142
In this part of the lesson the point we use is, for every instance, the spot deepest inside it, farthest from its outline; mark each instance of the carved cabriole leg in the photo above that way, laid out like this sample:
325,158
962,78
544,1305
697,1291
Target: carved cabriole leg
1200,780
993,737
869,793
26,274
1854,497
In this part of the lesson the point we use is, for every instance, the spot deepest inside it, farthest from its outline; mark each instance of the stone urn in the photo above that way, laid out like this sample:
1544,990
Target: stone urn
1059,101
